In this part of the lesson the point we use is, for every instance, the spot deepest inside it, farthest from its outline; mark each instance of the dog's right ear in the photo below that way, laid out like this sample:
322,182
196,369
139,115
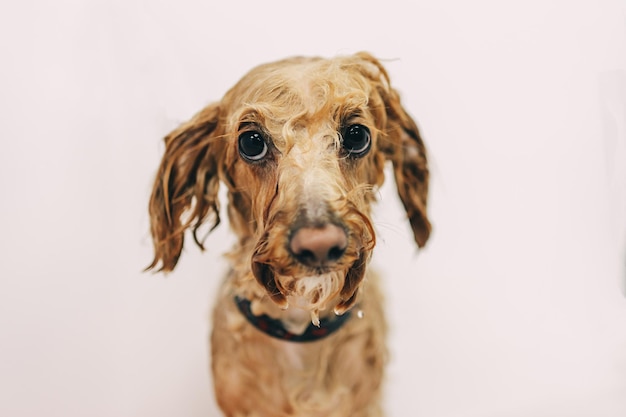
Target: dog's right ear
186,186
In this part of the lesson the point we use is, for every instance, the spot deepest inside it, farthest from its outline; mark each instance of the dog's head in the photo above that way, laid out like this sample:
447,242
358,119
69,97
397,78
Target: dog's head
300,145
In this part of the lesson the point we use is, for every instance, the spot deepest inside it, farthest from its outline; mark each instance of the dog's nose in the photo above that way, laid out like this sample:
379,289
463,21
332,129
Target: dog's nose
318,246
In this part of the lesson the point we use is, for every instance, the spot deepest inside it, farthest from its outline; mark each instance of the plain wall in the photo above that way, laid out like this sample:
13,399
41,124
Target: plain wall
516,307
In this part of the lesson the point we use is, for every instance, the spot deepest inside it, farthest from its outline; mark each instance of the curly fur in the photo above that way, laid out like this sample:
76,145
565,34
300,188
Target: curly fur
300,106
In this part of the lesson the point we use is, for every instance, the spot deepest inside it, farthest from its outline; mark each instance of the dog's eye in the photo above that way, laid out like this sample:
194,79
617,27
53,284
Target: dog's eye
356,140
252,146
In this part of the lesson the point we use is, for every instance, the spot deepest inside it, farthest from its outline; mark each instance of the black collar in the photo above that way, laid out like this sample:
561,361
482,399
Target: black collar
274,327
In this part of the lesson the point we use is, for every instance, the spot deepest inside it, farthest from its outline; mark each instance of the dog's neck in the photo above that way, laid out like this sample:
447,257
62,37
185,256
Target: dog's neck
294,324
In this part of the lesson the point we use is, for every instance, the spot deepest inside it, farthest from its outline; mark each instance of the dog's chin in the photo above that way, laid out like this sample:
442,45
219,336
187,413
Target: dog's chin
317,292
313,293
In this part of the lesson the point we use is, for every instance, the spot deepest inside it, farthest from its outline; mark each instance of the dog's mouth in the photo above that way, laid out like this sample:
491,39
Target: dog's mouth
313,289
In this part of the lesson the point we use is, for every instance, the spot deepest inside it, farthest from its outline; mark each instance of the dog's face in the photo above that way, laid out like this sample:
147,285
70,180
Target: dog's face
301,145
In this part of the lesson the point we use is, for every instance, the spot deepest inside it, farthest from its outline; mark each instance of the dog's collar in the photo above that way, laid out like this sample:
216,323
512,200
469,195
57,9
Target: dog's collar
275,328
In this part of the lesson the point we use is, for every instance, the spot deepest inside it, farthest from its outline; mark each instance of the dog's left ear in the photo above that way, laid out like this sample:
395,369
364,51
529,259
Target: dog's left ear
406,150
403,146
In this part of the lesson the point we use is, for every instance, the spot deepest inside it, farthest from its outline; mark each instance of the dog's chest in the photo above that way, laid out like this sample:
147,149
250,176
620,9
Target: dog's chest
295,355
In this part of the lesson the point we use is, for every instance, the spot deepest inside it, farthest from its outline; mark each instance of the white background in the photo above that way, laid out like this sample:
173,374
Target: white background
516,307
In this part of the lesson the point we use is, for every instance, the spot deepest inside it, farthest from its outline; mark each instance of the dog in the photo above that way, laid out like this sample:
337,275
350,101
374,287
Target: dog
300,144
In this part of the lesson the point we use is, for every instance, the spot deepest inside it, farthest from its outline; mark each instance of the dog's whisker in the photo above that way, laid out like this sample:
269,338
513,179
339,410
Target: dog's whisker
391,227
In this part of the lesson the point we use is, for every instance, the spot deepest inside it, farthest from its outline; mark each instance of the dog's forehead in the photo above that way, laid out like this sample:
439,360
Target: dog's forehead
301,91
304,75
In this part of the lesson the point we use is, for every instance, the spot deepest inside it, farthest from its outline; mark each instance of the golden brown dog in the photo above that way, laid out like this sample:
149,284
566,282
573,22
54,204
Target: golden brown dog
300,144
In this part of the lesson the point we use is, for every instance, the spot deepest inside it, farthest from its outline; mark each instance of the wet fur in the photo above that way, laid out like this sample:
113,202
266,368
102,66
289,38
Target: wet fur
300,105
